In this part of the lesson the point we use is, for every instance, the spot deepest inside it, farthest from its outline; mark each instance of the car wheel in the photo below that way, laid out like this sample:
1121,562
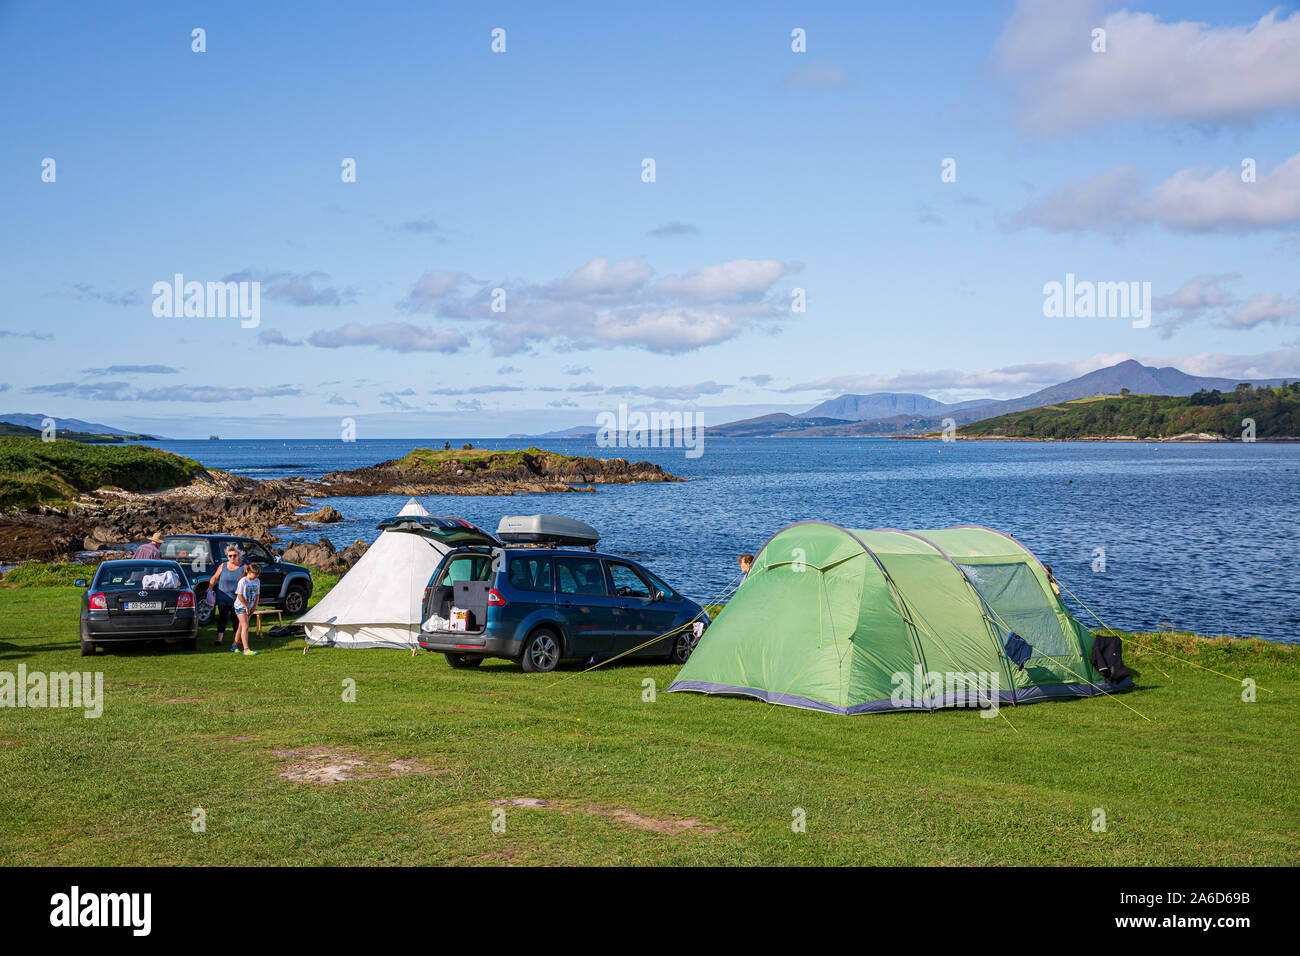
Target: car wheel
295,601
541,652
87,648
463,661
204,613
683,647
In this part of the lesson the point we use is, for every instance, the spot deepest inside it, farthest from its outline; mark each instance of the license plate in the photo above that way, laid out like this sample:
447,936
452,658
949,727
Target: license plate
142,605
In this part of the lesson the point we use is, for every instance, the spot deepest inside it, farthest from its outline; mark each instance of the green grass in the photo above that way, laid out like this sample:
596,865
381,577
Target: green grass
481,459
1208,780
42,574
34,471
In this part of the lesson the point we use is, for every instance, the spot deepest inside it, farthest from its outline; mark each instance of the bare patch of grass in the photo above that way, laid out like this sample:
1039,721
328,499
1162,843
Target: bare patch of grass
327,765
633,819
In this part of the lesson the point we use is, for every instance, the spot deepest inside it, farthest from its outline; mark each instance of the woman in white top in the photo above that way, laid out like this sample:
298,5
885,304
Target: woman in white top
246,593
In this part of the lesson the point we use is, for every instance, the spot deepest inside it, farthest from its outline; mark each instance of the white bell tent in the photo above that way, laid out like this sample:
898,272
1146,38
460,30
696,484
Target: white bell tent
378,602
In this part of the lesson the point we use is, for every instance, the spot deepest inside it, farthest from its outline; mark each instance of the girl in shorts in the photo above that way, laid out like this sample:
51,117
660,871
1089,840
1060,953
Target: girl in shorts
246,592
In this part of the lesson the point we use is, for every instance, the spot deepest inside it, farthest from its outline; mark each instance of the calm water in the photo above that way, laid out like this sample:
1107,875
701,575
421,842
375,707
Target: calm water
1201,536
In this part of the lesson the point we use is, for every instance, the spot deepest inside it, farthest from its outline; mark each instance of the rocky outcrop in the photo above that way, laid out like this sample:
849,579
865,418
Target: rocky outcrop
323,555
491,473
110,518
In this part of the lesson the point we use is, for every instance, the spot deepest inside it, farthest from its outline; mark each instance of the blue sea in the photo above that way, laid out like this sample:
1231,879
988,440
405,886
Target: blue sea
1197,536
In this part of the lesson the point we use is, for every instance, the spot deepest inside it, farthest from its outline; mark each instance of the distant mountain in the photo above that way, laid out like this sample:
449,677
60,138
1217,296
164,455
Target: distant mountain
66,425
862,408
767,426
577,431
1139,379
858,408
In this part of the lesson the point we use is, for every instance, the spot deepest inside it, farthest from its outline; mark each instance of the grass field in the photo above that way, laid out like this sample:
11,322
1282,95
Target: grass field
684,779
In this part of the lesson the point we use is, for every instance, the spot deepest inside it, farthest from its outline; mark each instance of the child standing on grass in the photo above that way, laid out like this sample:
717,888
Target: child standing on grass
246,592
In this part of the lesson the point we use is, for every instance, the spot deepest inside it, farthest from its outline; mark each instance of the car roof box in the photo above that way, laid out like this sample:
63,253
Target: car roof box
546,529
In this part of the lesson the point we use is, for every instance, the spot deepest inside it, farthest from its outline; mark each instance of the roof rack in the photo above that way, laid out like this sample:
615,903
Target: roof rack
547,531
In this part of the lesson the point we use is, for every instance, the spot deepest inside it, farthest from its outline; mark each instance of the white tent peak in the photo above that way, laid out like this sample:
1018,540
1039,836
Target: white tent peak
413,507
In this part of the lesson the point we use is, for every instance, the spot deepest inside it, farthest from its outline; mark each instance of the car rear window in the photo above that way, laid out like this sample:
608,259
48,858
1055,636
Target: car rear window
196,552
476,567
531,573
580,576
124,576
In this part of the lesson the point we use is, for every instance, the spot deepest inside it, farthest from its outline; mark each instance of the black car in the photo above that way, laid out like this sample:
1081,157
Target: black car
134,600
285,586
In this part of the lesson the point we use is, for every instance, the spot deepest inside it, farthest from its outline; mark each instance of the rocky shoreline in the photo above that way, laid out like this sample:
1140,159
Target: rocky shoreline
218,502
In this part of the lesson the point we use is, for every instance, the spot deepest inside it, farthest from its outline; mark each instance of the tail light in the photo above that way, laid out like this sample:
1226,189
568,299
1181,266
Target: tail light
495,599
99,602
185,599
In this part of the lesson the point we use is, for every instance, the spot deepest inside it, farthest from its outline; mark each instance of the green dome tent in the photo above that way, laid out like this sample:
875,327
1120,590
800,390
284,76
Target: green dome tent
855,622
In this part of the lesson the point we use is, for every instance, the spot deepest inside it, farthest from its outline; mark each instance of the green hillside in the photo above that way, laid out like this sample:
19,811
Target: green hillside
1275,411
22,431
34,471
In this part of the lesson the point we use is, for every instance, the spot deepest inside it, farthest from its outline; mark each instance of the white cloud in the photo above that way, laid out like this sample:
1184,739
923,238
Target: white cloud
1191,200
739,279
1181,70
1261,309
1006,380
1282,363
215,393
392,336
611,303
1204,296
300,288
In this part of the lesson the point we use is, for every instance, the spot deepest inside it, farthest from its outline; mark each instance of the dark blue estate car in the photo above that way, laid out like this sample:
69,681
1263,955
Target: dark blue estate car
538,605
134,600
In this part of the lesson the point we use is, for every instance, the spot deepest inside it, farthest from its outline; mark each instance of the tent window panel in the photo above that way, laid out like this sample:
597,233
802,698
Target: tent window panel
1015,594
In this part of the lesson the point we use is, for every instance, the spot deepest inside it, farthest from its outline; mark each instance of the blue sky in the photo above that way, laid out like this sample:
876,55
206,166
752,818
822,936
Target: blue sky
522,171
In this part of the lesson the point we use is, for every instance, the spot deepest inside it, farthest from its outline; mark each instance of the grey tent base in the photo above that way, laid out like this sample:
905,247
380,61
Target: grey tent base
362,644
1027,695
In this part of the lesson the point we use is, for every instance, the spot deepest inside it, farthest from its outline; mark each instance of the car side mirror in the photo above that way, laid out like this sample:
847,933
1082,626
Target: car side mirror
79,583
659,595
277,557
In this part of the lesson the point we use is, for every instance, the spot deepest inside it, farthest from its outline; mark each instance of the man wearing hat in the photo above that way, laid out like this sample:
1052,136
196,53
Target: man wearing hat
149,551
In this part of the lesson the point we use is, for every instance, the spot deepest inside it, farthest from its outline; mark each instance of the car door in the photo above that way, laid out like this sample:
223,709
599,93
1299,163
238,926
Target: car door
641,616
588,609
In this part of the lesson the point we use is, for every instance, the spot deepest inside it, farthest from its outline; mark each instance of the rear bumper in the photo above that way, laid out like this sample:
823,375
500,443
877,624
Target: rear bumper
450,642
175,628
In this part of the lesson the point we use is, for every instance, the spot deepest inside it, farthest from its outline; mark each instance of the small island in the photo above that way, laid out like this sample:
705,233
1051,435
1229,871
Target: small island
471,471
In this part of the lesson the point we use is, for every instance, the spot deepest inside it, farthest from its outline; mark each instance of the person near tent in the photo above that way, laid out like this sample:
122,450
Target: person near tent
151,550
1051,579
223,583
246,593
746,562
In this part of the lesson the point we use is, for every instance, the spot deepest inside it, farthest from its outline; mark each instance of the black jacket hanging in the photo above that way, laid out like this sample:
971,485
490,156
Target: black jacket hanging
1108,657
